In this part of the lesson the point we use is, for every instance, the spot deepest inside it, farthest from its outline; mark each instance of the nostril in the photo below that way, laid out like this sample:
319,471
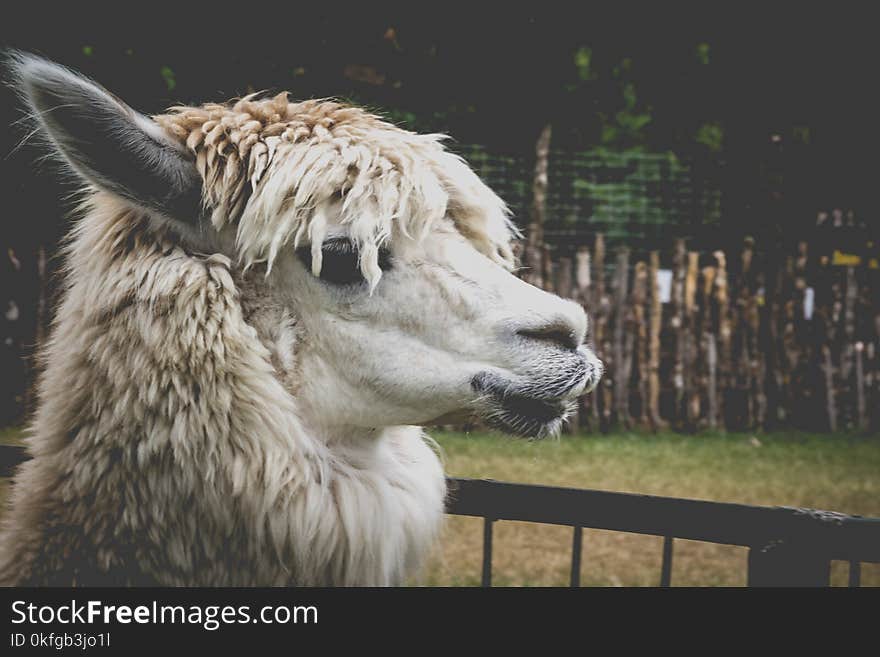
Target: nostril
560,334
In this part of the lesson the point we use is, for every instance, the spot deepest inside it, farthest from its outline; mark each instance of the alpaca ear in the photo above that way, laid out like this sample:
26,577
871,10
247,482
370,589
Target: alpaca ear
104,141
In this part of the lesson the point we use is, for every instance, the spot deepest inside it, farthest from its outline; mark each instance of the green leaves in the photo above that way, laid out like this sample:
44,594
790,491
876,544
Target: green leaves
711,135
583,58
702,53
168,76
614,100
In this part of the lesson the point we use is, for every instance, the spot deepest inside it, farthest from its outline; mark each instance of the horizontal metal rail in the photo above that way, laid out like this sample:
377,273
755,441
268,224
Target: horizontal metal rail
787,546
839,536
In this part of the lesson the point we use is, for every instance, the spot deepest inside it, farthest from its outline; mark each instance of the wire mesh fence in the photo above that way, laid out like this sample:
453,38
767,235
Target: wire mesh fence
641,200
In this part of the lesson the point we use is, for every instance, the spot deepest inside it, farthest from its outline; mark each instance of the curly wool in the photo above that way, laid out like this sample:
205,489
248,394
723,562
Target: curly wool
274,168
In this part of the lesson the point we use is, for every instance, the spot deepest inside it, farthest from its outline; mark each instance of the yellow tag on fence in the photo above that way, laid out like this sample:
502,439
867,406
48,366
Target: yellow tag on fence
841,259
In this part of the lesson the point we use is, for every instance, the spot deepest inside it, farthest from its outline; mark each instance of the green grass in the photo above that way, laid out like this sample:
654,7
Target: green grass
832,472
11,436
838,472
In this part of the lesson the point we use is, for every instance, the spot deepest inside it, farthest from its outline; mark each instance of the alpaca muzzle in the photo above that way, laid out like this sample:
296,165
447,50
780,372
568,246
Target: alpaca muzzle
536,406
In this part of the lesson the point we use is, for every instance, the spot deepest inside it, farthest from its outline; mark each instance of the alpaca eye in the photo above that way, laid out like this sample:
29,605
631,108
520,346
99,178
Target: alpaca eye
340,263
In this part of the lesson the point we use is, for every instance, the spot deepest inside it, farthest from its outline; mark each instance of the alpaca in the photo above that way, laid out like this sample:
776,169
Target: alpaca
264,302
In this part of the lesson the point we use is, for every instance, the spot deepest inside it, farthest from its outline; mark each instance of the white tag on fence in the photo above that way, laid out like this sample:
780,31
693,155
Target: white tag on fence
808,303
664,285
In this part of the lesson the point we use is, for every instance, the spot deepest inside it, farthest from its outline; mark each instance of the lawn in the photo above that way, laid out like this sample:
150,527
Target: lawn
840,473
833,472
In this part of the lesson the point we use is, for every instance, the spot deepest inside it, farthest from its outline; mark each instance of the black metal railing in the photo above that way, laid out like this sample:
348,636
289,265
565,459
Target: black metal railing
787,546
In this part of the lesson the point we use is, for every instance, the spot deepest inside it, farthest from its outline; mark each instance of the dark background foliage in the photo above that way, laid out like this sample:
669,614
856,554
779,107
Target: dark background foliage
781,102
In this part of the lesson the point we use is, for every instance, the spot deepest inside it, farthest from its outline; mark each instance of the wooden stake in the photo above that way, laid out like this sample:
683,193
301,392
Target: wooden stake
691,338
847,355
722,301
601,405
862,422
829,388
621,376
582,277
656,322
534,254
640,331
712,392
709,379
678,326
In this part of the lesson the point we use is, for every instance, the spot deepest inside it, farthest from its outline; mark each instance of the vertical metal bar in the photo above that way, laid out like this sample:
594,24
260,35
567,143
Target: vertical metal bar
855,574
666,570
576,543
487,551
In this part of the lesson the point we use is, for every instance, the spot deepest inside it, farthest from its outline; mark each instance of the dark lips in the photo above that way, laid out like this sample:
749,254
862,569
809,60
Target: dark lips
517,412
536,409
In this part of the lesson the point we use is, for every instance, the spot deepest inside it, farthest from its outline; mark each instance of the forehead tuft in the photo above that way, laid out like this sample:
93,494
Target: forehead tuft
274,169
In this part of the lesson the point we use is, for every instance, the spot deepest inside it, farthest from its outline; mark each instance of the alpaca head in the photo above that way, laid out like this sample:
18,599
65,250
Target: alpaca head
388,252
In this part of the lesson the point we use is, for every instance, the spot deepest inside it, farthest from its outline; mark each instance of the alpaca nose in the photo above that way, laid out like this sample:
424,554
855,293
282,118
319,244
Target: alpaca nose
559,333
566,330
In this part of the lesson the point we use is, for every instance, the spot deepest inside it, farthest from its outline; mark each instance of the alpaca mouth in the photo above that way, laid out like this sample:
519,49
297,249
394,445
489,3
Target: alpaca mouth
530,418
521,412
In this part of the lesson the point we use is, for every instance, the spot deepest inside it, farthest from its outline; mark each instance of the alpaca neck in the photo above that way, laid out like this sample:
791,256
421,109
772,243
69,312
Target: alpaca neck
168,409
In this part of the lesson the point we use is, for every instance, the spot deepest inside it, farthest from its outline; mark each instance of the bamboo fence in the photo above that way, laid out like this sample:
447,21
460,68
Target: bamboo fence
785,340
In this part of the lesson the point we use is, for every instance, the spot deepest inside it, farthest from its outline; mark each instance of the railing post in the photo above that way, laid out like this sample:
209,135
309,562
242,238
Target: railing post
576,548
487,552
781,563
666,567
855,574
